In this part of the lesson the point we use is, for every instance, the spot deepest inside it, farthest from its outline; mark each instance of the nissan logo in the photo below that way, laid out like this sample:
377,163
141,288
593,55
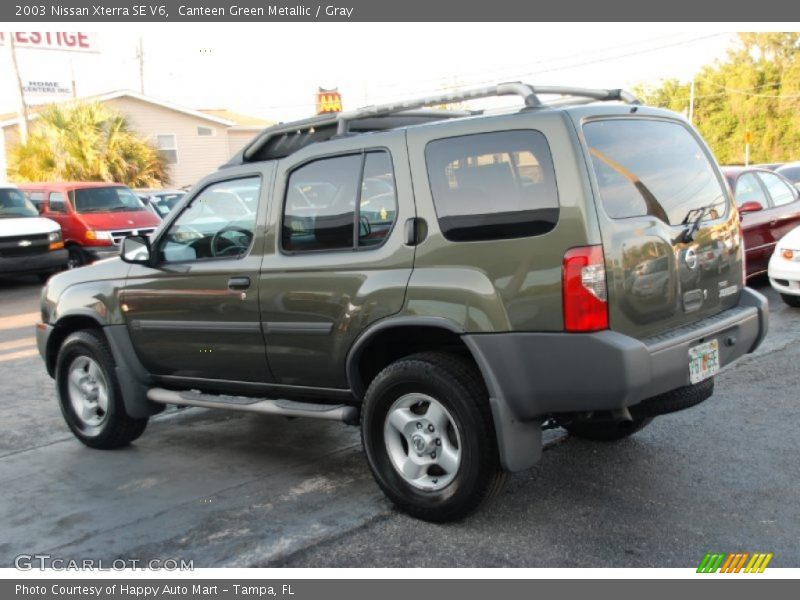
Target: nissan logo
690,258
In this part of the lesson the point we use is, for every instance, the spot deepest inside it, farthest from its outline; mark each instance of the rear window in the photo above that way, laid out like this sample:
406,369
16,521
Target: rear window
657,168
105,199
493,186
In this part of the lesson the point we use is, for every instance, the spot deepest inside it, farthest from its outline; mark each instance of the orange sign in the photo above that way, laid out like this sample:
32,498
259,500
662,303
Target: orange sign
329,101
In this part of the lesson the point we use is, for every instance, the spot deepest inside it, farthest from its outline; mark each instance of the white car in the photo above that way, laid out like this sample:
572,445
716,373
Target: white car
784,268
28,243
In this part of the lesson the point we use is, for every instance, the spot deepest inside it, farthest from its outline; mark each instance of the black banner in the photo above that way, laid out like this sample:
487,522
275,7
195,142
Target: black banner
391,589
175,11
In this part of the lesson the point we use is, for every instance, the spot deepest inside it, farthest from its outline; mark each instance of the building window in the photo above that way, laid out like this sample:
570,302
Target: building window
202,131
168,147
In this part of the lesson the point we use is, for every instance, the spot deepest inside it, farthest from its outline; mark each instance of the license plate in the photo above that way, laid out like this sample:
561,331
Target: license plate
703,361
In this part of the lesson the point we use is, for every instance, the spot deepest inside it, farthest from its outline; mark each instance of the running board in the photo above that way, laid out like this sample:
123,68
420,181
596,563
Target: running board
286,408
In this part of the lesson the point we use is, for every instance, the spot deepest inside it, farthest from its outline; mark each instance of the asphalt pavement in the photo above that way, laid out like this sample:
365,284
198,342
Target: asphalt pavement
234,489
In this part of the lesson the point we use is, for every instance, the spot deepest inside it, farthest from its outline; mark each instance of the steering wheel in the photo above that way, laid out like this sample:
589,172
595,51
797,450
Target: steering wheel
235,245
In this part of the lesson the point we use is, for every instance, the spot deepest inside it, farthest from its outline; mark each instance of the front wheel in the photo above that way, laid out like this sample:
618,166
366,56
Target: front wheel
89,394
429,437
793,301
77,257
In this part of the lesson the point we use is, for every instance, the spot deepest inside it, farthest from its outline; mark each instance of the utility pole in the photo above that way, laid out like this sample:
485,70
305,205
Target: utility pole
140,58
691,102
23,108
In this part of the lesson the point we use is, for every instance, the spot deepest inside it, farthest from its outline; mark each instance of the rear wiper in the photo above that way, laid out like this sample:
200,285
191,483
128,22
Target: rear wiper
687,235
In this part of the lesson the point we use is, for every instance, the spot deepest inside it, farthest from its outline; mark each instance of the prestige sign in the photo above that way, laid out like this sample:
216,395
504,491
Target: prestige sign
52,40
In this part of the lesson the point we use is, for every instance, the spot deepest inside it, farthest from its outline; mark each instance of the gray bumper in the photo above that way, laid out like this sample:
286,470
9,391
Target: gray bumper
540,373
530,375
52,260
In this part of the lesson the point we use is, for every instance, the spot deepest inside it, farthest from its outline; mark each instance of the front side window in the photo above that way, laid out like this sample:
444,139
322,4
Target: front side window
104,199
57,203
216,224
332,200
650,167
748,189
493,186
779,191
13,203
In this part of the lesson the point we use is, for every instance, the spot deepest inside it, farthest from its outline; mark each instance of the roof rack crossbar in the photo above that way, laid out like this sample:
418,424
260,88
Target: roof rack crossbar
504,89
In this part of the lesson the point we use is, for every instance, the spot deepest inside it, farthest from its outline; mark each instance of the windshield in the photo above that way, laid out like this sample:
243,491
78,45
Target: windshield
13,203
105,199
657,168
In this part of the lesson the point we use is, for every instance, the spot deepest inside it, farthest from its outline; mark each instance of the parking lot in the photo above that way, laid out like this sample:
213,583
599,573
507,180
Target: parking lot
236,489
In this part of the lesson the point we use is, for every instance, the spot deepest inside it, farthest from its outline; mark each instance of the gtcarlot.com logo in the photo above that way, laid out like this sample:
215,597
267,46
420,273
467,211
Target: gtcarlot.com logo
41,562
734,562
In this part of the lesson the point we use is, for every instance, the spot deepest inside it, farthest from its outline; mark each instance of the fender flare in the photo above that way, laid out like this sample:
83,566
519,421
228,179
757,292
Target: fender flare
519,442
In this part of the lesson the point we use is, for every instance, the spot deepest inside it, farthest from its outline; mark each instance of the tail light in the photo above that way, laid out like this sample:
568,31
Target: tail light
584,291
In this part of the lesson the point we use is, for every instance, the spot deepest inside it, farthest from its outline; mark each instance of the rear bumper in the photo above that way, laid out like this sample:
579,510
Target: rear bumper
52,260
536,374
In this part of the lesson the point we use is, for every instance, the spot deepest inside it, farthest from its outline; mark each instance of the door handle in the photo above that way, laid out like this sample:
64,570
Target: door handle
238,284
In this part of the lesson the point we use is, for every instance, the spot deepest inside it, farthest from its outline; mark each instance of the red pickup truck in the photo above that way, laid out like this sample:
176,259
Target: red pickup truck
94,216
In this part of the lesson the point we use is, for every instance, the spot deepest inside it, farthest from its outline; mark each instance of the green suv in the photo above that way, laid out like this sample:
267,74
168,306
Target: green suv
451,281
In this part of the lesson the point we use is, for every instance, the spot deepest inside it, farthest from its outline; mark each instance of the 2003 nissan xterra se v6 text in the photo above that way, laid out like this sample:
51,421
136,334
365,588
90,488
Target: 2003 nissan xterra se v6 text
452,281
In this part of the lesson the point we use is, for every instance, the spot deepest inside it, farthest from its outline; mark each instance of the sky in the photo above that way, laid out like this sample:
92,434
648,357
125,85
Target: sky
273,70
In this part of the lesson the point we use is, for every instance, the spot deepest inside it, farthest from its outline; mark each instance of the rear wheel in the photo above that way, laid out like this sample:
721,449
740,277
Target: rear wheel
429,437
599,430
793,301
89,394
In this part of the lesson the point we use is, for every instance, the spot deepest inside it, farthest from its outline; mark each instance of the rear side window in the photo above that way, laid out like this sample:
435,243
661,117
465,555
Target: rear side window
779,191
649,167
332,200
37,199
492,186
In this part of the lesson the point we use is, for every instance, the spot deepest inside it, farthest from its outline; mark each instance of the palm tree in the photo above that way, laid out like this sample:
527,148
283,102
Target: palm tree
86,141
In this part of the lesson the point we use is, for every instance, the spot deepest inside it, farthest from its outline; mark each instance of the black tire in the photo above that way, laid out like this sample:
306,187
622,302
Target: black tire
77,257
598,430
43,277
116,428
793,301
456,385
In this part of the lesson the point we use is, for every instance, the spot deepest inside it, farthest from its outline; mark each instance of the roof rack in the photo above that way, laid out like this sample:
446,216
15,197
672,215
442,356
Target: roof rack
344,121
528,92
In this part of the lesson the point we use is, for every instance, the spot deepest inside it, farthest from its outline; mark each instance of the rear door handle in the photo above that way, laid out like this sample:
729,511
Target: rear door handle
238,284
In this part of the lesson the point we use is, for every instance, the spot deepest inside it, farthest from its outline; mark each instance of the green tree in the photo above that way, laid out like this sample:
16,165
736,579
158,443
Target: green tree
86,142
755,89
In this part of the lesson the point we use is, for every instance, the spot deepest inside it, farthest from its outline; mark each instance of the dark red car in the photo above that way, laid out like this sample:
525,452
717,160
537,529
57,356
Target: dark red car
769,206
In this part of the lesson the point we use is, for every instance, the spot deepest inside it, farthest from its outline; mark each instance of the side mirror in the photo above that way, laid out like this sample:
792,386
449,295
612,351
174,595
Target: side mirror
750,206
136,250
